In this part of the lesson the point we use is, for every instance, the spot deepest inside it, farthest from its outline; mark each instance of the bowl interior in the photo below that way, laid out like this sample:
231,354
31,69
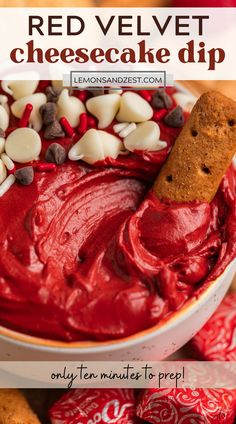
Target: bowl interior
176,318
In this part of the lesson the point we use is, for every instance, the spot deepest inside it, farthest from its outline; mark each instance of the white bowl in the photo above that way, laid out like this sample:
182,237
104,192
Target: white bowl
153,344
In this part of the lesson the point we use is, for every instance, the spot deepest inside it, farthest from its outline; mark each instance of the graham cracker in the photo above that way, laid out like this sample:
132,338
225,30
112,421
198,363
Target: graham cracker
202,152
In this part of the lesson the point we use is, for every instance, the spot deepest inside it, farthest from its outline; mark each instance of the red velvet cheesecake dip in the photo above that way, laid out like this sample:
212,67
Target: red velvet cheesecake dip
88,252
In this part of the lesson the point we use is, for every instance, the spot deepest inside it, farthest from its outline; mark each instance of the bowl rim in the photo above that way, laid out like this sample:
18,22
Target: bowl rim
47,345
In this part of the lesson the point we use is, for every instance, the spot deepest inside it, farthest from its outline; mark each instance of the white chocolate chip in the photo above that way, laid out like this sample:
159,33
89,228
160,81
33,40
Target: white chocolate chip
144,137
3,171
119,127
4,118
161,145
18,89
7,162
70,107
4,102
2,145
112,145
96,145
37,100
184,100
88,147
133,108
6,184
126,131
23,145
104,107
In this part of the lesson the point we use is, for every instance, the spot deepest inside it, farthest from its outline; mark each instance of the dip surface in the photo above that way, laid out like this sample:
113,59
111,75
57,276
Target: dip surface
89,252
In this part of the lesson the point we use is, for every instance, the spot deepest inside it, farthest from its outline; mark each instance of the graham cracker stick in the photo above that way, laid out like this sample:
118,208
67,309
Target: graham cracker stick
202,152
14,408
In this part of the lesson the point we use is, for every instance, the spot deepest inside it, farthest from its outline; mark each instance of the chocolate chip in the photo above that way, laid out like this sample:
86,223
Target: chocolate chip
54,130
175,118
56,154
25,175
2,133
52,94
48,112
161,100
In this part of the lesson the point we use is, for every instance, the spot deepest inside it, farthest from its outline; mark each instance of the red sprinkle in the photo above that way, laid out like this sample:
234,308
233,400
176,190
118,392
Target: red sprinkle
159,114
92,122
83,123
83,95
11,171
45,167
67,127
26,115
146,95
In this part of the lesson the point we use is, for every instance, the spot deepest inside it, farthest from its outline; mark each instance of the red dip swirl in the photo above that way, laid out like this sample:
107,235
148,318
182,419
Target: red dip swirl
89,252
